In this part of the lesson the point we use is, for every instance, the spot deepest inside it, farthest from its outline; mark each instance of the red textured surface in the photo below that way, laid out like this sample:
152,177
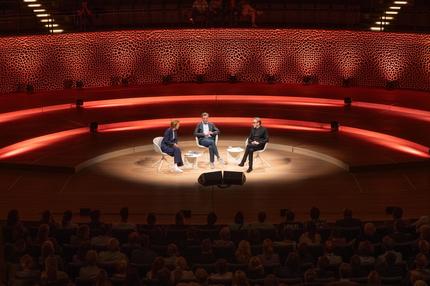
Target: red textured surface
370,59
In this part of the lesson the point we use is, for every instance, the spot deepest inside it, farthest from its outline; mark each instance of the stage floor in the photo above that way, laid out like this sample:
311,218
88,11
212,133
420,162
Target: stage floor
113,169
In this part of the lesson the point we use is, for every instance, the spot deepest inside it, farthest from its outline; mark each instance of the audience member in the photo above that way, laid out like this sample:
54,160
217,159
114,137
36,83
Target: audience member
124,224
243,252
90,271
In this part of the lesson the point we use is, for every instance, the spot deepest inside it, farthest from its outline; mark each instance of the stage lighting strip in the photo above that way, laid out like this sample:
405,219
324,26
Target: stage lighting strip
45,18
385,140
416,114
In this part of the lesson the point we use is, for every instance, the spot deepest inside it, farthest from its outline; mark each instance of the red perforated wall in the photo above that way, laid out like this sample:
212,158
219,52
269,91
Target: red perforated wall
370,59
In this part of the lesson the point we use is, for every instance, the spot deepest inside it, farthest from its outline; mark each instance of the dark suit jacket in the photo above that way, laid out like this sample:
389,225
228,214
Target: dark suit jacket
168,139
198,132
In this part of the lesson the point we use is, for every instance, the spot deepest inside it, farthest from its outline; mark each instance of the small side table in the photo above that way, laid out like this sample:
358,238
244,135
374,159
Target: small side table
191,158
233,154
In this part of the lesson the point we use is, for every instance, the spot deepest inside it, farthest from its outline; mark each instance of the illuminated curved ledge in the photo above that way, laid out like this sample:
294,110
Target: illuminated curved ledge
381,139
416,114
280,147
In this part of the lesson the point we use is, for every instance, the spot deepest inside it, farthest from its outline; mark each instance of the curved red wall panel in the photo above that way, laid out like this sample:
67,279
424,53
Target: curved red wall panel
370,59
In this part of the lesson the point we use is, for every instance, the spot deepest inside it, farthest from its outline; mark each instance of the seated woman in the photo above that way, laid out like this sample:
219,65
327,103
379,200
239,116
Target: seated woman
170,146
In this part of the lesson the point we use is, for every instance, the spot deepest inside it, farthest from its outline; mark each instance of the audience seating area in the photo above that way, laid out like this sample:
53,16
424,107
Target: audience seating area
17,18
346,252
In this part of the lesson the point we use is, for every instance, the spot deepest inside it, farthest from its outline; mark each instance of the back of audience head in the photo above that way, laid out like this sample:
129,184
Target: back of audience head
201,275
239,218
314,213
67,218
124,214
211,219
221,266
240,278
344,271
262,217
225,234
179,219
113,245
95,216
26,262
151,219
290,216
373,278
91,257
369,229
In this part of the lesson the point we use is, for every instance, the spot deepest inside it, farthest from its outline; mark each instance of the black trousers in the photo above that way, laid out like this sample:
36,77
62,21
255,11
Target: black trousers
249,152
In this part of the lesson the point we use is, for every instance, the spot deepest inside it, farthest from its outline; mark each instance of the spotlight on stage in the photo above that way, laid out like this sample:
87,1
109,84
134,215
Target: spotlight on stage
347,101
68,84
79,84
167,79
334,126
79,103
232,79
200,78
29,88
94,126
309,79
270,79
347,82
392,84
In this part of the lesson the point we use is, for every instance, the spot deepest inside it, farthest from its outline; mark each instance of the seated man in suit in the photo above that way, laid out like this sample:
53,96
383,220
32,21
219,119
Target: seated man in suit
170,146
256,141
206,133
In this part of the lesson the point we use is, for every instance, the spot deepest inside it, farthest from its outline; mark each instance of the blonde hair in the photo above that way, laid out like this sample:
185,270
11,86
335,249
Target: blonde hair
174,123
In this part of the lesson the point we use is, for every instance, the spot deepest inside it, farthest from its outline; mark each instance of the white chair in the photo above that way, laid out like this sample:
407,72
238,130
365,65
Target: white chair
157,148
204,147
258,154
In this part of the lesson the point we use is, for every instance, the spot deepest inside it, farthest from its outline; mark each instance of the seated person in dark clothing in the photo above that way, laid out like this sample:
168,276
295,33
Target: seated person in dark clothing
170,146
206,255
369,233
400,232
257,139
255,268
211,220
290,229
95,221
357,270
291,268
348,220
143,255
323,269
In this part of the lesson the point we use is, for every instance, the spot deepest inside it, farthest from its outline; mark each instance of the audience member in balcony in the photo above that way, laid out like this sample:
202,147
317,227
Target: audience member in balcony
82,236
51,275
221,272
323,268
261,223
369,233
388,246
249,12
90,271
239,222
95,221
102,238
348,220
215,12
311,236
240,279
200,11
156,266
357,270
344,276
289,227
144,254
211,220
328,252
390,268
124,224
66,222
315,218
206,255
84,16
255,268
48,218
268,257
26,268
14,229
179,223
172,254
243,252
112,254
225,238
366,252
47,250
182,271
374,279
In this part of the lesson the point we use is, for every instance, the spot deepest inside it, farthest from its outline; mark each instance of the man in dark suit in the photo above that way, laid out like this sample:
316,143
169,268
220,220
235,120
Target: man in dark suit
257,139
170,146
206,132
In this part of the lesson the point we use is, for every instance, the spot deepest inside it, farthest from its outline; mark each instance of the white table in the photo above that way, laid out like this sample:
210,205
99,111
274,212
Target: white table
233,154
191,158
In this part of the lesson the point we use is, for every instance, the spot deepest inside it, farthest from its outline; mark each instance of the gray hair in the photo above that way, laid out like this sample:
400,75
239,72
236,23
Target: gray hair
258,119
